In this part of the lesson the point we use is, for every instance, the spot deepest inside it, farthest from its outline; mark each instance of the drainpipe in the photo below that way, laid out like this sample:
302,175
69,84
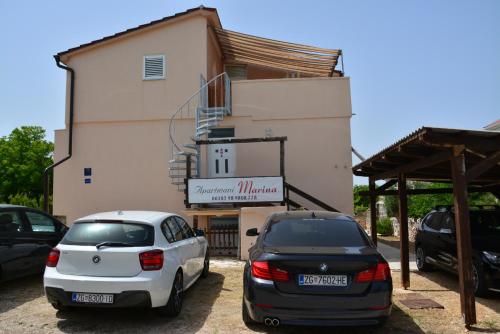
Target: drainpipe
47,171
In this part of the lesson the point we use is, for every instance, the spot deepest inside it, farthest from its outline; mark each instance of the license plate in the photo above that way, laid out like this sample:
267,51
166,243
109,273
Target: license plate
323,280
91,298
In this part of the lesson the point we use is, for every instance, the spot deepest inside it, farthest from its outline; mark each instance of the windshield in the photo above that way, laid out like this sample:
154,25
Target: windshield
485,222
93,233
314,233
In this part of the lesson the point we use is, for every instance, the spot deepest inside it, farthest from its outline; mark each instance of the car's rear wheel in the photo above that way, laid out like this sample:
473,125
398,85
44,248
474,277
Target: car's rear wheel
420,255
479,280
174,304
244,314
206,266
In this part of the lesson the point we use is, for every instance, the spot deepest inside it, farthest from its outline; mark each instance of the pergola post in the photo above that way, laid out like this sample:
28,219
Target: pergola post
403,231
373,210
464,247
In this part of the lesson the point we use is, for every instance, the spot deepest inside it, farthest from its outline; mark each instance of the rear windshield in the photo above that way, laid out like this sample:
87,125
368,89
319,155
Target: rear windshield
93,233
314,233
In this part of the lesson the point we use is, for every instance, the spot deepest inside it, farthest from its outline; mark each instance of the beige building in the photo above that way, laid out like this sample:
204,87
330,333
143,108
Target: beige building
143,97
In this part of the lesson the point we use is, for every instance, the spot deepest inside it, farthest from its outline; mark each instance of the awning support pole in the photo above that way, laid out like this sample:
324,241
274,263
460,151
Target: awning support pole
464,246
373,211
403,231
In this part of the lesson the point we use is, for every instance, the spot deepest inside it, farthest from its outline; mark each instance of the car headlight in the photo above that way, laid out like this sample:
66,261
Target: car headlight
492,257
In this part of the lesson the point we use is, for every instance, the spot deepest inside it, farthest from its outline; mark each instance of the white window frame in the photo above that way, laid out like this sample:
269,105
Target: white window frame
144,67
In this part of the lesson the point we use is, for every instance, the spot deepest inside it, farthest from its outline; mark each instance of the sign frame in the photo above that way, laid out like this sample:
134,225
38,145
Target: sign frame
238,202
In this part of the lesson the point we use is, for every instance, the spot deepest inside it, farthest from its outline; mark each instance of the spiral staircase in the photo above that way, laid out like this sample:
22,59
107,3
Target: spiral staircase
209,105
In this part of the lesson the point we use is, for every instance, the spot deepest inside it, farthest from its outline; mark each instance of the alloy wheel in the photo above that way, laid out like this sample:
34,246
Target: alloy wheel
420,258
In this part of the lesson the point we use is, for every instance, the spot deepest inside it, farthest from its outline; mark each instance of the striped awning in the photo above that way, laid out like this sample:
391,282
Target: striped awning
243,48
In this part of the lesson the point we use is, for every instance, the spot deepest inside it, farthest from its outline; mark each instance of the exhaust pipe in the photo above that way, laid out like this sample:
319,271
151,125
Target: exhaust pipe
268,321
275,322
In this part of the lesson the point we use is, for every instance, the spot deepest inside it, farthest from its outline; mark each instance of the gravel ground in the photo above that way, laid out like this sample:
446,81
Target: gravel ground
213,305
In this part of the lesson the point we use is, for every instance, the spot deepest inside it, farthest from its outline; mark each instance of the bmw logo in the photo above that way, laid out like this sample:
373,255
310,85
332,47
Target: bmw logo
323,267
96,259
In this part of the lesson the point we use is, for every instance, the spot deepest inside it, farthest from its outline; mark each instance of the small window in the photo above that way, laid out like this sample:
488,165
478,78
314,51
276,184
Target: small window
10,222
186,229
448,222
433,221
175,228
221,133
166,232
236,72
154,67
40,223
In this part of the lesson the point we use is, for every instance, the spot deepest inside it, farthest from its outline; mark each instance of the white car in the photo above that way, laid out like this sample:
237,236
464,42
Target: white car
126,259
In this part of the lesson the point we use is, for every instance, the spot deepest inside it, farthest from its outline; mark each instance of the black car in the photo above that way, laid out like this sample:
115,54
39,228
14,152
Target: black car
26,238
436,244
315,268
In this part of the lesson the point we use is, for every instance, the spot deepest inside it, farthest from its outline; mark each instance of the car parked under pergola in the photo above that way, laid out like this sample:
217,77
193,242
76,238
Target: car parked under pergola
467,159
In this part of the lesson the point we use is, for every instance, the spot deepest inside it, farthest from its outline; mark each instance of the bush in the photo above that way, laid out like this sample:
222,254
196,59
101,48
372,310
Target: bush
25,200
384,227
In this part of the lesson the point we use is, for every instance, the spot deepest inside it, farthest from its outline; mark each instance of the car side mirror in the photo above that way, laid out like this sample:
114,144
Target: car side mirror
252,232
199,233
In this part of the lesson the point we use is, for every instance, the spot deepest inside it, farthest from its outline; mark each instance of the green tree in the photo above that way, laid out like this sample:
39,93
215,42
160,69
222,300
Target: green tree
24,155
361,203
420,205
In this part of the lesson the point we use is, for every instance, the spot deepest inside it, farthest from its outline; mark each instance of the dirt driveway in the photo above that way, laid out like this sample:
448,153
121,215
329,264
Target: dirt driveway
213,305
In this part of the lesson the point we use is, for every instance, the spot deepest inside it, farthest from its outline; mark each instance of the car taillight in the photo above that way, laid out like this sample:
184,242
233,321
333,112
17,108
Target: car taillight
381,272
151,260
260,269
53,258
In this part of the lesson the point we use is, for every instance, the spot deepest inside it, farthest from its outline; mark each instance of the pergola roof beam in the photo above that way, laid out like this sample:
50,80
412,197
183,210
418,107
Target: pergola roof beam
260,51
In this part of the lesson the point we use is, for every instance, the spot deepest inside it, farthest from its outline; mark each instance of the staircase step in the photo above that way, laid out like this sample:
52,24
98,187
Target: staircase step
180,161
191,146
202,132
211,119
207,126
178,183
183,153
180,168
207,110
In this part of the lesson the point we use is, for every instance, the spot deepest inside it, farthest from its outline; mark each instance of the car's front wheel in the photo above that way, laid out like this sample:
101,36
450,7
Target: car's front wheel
420,255
479,280
206,266
174,304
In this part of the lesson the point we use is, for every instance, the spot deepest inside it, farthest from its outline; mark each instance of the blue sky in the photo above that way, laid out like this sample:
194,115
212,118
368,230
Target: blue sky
411,63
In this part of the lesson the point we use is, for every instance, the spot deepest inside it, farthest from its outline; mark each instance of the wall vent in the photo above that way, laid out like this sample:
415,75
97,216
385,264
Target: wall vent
154,67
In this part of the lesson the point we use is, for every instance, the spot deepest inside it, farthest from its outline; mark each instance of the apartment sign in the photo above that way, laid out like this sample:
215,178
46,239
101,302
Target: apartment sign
235,190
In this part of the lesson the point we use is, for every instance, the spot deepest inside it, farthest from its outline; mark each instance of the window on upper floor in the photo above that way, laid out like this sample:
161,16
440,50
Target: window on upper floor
153,67
236,71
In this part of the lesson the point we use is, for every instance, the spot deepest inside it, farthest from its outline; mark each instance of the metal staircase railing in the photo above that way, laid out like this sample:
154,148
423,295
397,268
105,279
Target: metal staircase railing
291,203
209,105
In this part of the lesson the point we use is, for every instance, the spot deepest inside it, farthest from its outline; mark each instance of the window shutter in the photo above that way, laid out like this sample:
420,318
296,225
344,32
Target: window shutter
154,67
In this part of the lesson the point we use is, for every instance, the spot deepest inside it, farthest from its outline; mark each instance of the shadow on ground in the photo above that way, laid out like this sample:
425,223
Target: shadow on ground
20,291
197,305
449,282
399,322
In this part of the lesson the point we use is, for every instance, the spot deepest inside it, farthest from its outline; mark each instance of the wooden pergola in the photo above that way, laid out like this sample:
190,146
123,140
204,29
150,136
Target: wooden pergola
468,160
305,59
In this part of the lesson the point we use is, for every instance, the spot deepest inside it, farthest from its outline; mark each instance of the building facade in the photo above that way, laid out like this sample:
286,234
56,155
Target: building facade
134,120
